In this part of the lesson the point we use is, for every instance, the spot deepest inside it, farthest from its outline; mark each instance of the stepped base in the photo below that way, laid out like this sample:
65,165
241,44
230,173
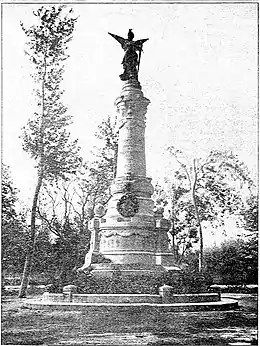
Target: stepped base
129,298
148,307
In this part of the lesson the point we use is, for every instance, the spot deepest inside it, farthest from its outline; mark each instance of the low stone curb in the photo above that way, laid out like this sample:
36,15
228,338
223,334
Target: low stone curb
225,304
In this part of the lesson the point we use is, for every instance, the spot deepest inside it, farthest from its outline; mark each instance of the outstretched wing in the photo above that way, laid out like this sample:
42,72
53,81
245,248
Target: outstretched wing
139,43
119,39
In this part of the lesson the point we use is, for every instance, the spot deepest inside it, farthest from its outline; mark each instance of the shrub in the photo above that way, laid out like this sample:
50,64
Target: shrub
118,283
188,281
232,263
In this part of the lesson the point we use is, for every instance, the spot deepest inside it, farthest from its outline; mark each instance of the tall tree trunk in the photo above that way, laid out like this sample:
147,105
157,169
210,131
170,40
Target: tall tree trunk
197,217
29,255
201,262
30,249
173,246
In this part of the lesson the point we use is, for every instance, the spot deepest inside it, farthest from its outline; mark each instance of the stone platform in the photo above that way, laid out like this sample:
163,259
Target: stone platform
225,304
130,298
132,302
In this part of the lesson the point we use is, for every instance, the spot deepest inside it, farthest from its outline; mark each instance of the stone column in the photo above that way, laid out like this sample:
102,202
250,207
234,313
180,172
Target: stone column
128,235
132,106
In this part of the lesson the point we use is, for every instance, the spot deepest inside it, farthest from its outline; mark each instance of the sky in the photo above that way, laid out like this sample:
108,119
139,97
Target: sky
198,69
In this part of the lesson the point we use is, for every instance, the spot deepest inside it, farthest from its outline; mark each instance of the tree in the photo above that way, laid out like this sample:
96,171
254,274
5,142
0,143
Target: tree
250,215
107,152
103,169
212,188
70,235
90,187
174,199
65,209
43,264
14,229
65,214
46,137
9,195
250,223
66,206
232,263
93,180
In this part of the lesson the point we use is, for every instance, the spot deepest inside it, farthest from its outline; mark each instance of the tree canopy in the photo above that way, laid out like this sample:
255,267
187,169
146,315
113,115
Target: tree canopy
206,190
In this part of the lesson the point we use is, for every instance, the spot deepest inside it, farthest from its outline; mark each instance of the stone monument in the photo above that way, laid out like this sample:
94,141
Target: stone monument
131,234
129,250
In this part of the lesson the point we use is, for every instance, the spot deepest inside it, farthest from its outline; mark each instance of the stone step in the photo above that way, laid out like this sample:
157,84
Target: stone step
225,304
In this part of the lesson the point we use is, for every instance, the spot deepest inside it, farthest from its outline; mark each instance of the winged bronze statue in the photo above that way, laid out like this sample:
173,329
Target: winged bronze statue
131,60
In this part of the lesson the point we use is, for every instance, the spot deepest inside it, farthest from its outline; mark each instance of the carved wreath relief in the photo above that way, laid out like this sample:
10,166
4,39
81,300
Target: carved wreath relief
128,205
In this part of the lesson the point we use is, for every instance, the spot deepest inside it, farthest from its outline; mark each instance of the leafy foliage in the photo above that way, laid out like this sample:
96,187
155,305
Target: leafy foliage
14,229
207,191
119,283
233,263
43,263
107,152
188,281
9,195
46,137
103,169
250,215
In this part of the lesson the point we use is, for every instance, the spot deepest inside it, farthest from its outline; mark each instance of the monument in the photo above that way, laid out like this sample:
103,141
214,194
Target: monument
129,246
132,235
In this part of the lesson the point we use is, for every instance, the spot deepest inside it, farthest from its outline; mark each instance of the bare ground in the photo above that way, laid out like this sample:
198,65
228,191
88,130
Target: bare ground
22,326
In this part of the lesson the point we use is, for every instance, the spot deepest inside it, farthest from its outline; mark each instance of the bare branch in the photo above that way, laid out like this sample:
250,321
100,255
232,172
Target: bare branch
49,224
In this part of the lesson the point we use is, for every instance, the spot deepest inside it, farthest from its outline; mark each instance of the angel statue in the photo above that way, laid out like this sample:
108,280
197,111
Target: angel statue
131,60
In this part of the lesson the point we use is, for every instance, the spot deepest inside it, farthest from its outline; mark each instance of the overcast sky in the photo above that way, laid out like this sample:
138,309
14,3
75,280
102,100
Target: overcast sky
199,70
